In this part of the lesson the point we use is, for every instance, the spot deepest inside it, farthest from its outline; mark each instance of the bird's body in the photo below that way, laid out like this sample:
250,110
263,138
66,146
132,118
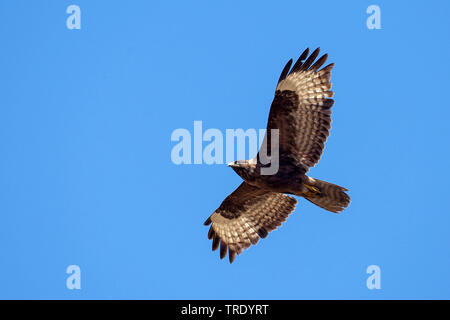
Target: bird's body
289,177
300,120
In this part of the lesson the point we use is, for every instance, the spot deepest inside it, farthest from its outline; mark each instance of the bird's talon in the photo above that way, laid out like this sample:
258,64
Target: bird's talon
313,191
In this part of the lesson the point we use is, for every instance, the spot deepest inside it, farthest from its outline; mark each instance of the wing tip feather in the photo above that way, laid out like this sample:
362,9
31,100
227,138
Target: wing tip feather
207,221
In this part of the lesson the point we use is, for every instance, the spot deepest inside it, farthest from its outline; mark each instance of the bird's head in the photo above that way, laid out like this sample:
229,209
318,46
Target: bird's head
244,168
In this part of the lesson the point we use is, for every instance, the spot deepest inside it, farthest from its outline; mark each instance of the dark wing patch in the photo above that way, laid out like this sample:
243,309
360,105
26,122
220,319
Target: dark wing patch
245,216
301,110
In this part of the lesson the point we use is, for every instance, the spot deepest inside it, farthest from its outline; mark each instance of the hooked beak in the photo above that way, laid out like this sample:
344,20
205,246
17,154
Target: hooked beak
231,164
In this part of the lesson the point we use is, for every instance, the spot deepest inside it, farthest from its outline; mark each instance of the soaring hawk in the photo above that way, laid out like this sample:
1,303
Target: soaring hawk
301,111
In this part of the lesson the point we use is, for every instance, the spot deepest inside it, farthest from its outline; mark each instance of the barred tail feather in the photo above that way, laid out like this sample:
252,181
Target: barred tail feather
330,197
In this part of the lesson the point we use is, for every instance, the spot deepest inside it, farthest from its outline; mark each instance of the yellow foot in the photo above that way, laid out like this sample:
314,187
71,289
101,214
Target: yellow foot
313,191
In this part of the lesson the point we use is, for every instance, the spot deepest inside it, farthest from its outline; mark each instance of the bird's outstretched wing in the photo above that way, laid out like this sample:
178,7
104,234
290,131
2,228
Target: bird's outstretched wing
246,215
301,109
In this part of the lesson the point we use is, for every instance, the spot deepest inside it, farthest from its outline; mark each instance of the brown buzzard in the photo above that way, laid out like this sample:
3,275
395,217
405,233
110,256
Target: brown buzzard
301,111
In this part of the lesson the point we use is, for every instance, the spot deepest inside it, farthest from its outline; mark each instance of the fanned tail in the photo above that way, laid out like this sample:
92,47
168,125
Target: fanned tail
327,195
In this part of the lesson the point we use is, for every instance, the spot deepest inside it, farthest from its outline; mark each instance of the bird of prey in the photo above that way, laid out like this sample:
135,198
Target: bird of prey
301,113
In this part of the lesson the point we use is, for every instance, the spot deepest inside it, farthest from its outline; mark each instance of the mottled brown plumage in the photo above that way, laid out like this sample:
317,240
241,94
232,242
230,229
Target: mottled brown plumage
246,215
301,112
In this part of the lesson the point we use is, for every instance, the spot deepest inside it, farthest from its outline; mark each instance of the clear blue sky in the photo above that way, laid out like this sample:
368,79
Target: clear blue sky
86,176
